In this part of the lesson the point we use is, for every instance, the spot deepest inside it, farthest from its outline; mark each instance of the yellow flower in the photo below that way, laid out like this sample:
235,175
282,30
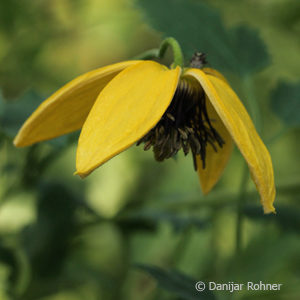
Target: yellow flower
193,109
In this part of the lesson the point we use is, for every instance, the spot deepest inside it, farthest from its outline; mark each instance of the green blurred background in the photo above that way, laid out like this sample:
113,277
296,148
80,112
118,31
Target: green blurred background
137,229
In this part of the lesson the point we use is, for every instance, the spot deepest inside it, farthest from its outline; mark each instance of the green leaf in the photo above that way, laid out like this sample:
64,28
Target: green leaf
198,27
14,113
269,258
285,103
176,283
18,264
48,240
249,50
148,220
287,218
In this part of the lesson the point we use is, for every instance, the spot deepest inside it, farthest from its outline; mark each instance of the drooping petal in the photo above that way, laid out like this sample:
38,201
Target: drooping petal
66,110
210,71
215,161
238,123
127,108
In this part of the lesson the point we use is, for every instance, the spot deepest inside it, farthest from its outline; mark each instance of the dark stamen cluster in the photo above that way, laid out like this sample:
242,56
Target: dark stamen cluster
185,125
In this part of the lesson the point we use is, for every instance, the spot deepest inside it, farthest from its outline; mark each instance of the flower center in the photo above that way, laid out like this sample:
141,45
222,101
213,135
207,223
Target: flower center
185,125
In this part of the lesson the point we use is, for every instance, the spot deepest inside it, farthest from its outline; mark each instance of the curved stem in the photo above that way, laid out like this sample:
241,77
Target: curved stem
177,52
159,53
149,54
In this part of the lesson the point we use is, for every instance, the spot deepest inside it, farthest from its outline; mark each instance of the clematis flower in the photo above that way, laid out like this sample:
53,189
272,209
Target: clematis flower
192,109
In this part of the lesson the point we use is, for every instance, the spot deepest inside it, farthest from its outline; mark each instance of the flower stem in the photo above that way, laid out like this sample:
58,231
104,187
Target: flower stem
255,114
177,52
252,102
278,135
159,53
149,54
240,206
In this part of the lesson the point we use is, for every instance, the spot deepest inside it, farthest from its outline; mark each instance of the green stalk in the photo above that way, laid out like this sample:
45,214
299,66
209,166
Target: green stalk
148,55
240,207
176,49
256,116
155,53
252,102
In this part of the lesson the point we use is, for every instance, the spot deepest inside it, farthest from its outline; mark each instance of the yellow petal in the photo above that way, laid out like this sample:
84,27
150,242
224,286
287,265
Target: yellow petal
215,161
66,110
238,123
127,108
210,71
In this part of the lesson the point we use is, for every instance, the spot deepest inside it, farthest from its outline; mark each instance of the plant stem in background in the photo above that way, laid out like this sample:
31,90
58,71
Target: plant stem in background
240,206
252,104
283,131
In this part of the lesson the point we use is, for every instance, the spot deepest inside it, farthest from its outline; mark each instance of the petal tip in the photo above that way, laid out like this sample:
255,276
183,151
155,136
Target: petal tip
80,174
268,210
206,189
18,141
22,139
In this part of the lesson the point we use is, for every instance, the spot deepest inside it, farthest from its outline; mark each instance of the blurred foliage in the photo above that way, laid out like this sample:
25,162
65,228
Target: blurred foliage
285,103
201,28
177,283
136,229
